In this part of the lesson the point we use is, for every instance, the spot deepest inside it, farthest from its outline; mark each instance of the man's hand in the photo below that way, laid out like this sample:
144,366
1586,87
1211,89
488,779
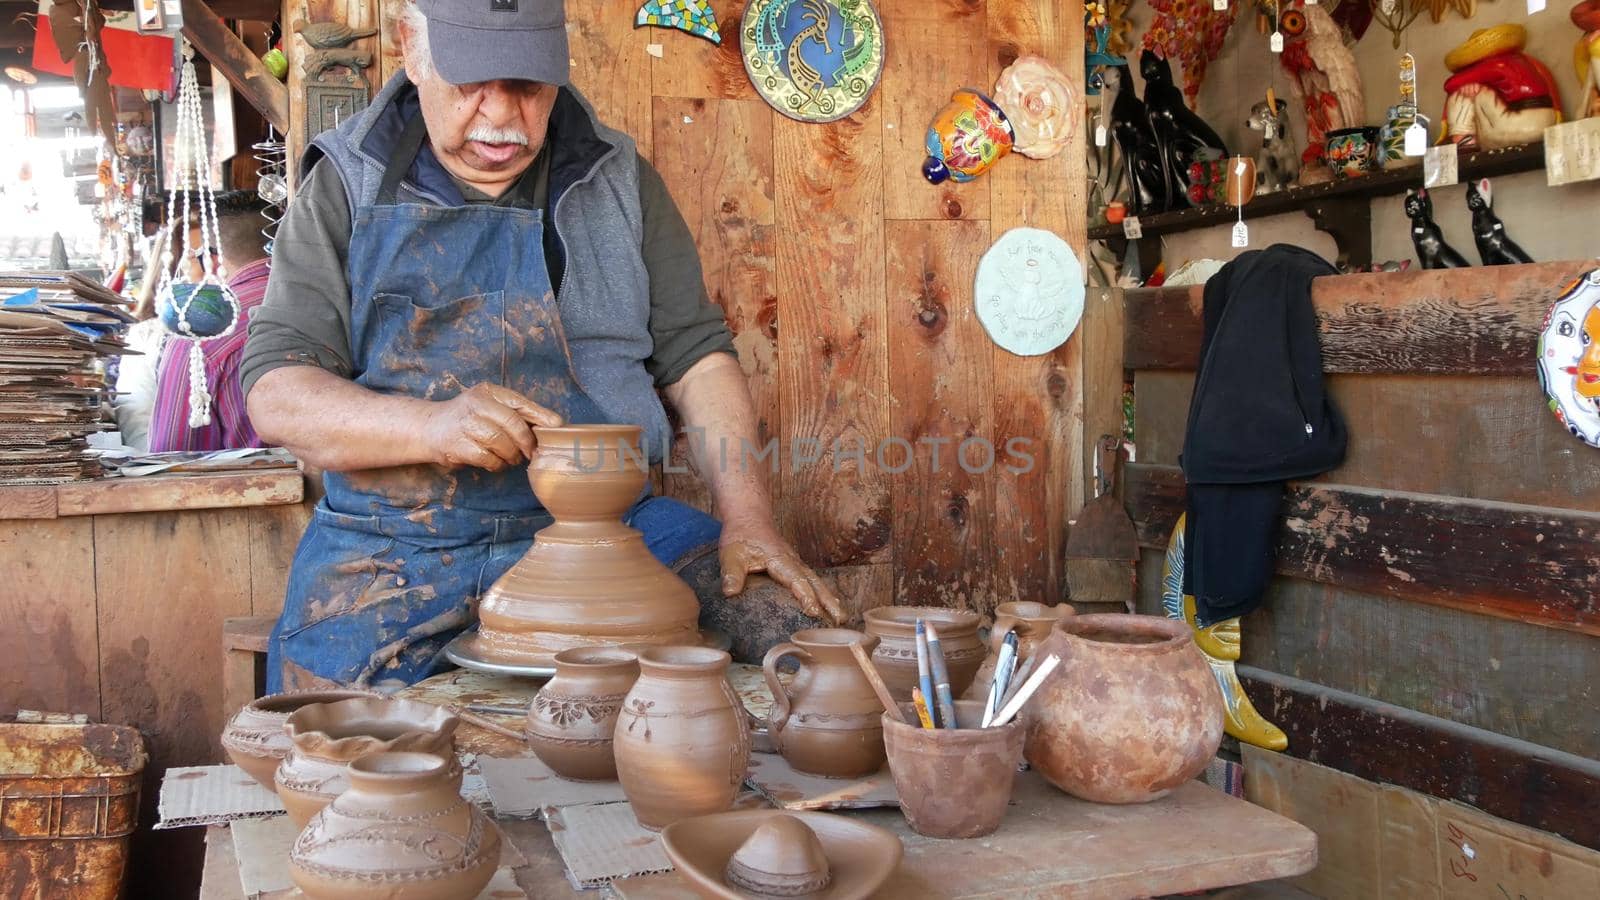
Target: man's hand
487,426
750,549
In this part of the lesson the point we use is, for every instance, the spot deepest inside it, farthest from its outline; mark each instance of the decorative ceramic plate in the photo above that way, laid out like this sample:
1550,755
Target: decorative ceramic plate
463,651
812,60
1029,291
1569,358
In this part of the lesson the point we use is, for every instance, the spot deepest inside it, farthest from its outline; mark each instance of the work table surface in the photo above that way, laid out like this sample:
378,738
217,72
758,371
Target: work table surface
152,493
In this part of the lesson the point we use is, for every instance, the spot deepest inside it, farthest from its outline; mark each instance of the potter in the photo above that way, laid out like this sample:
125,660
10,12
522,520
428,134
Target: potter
462,263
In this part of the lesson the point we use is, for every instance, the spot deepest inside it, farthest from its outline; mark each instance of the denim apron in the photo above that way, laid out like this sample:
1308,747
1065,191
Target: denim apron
395,560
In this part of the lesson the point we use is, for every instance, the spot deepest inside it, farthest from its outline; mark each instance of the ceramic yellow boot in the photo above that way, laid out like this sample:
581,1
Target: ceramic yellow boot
1220,644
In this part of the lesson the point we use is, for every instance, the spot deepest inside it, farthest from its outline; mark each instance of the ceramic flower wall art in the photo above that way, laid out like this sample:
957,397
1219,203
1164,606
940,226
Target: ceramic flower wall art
1041,105
1029,291
1569,358
1189,33
694,16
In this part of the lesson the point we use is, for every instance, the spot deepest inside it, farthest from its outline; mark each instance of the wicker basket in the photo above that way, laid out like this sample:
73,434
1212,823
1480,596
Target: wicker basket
69,799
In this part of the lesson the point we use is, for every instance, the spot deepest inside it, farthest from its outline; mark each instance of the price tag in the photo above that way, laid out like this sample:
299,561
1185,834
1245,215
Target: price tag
1572,151
1219,5
1311,2
1131,229
1276,42
1099,135
1388,7
1416,140
1241,235
1535,6
1439,166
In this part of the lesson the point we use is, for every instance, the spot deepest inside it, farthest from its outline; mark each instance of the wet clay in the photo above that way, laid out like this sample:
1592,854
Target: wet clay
254,738
825,721
683,740
573,717
588,579
1131,713
779,853
953,782
401,830
896,656
326,737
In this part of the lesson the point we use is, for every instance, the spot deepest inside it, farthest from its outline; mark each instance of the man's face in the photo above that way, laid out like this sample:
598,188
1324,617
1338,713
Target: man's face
486,134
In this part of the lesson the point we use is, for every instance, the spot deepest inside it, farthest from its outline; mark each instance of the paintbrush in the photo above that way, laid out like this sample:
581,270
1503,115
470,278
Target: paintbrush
1024,693
941,679
876,680
923,676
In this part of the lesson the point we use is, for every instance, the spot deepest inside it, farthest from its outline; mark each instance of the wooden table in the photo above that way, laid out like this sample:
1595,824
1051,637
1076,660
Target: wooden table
1051,845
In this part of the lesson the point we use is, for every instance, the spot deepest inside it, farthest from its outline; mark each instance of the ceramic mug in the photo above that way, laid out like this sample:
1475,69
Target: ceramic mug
1240,185
1352,152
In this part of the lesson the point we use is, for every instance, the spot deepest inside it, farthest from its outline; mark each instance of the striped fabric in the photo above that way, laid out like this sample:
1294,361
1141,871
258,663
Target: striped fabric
230,426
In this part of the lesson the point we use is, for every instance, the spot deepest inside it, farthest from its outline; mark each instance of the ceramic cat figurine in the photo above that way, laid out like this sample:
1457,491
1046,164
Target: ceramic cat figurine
1495,247
1130,125
1426,235
1181,136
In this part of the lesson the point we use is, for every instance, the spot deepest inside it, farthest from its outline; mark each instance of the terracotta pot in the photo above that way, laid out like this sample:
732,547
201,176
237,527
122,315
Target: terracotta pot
401,831
254,738
1032,623
1240,185
826,720
896,656
683,736
326,737
953,782
574,715
1131,713
780,853
588,579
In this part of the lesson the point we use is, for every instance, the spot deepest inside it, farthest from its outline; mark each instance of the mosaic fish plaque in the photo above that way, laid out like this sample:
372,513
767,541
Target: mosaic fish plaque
813,60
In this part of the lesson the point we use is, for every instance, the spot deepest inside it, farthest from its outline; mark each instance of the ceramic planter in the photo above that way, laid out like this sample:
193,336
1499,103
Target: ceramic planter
1352,152
254,738
1131,712
826,720
953,782
896,656
573,717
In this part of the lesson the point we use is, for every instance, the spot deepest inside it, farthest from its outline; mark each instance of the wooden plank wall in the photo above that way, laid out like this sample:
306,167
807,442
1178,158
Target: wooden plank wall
848,283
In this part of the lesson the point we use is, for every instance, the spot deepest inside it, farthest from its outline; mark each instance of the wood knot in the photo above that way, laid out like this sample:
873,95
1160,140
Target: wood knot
1056,385
767,318
932,309
952,208
730,206
1007,53
956,510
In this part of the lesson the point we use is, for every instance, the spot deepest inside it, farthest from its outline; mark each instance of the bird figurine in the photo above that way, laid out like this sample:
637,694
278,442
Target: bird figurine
1323,75
330,35
1426,235
1495,247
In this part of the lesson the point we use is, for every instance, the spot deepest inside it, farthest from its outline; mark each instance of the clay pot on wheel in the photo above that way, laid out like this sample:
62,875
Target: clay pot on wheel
254,738
401,831
1131,713
574,715
327,737
896,656
683,737
826,721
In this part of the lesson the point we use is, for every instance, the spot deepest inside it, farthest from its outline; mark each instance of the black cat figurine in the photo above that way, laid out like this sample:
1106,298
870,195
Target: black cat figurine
1130,125
1495,247
1181,136
1426,236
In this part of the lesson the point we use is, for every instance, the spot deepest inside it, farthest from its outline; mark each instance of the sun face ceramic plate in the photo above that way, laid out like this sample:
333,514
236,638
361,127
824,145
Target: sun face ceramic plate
1569,358
812,60
1029,291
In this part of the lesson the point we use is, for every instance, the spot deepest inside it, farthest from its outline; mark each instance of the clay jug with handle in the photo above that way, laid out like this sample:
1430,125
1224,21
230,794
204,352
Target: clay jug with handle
1031,621
826,721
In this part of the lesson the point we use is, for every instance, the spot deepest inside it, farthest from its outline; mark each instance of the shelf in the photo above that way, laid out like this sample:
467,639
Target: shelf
1481,164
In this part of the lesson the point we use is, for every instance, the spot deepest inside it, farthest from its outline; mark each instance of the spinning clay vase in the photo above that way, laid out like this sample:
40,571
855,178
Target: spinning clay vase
327,737
588,579
255,739
683,737
896,656
574,715
827,720
1131,713
401,831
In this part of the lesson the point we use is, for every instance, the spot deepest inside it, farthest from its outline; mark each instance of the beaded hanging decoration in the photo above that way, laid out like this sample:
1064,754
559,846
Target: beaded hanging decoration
207,309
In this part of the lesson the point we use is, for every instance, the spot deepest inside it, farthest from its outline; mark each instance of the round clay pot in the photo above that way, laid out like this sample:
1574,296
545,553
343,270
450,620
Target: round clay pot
896,656
254,738
588,580
326,737
953,782
826,720
574,715
1131,713
683,736
401,831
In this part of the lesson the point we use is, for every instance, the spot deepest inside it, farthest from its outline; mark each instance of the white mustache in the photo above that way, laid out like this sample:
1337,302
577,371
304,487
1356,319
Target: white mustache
485,134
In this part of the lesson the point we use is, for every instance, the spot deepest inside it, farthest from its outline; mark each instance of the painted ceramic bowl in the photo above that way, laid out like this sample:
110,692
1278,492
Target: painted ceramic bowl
1352,152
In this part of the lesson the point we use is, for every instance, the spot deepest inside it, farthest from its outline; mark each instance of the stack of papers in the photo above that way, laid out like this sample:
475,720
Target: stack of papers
54,330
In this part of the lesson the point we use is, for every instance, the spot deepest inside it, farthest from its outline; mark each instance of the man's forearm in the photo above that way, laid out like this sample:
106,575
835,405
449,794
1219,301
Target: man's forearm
714,403
335,424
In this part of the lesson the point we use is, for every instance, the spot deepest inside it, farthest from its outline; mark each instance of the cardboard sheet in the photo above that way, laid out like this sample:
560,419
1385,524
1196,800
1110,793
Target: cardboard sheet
601,842
776,780
210,795
520,788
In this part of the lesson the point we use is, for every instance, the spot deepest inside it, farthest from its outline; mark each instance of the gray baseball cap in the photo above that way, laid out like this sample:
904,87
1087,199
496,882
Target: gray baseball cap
489,40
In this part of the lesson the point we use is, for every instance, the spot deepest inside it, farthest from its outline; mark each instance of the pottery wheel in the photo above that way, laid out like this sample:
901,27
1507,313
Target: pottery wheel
463,651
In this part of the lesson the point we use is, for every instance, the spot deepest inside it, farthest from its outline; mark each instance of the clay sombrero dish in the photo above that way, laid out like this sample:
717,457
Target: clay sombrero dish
817,856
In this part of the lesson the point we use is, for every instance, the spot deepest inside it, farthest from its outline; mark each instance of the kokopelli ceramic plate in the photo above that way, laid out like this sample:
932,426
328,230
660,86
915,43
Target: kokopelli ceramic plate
812,60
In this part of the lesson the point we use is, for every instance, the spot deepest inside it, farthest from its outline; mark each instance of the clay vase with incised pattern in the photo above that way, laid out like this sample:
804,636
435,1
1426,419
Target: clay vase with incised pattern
573,717
588,580
896,656
826,721
683,736
254,738
401,831
1131,712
